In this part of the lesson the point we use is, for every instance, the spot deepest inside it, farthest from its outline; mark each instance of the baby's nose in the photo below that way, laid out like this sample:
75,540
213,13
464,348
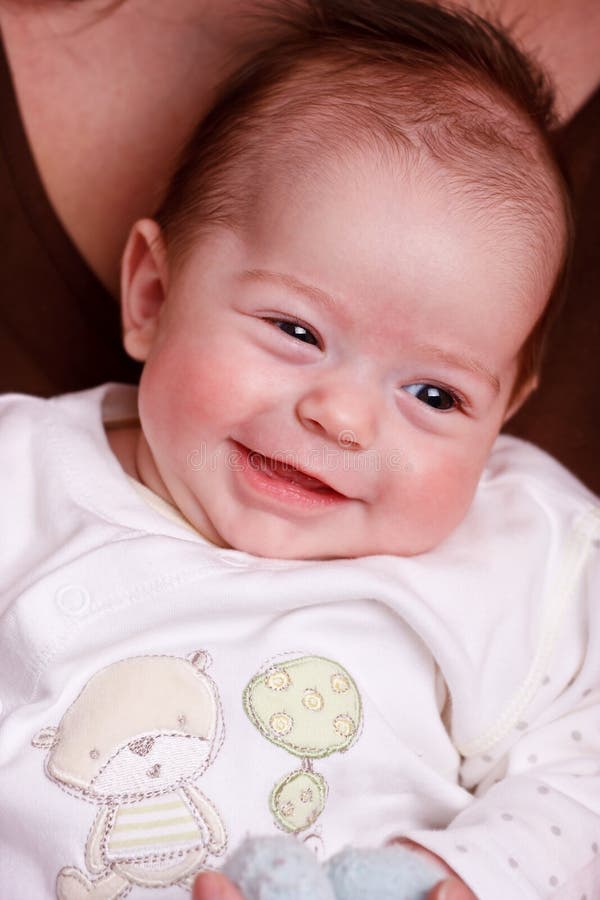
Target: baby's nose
345,413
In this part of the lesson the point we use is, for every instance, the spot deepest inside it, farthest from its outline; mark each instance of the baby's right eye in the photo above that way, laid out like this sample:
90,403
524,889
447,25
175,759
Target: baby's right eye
296,330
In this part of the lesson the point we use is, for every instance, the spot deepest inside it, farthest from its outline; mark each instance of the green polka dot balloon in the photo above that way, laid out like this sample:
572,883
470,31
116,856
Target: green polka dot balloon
309,706
298,800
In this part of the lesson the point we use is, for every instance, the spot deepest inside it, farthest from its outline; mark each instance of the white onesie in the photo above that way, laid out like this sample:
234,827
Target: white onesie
161,697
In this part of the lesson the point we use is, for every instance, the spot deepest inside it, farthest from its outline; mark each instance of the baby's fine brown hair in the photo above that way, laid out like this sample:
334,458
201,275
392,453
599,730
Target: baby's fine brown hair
402,77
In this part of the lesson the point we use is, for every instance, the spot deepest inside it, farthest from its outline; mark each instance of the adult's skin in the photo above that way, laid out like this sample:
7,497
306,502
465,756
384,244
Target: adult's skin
108,92
562,35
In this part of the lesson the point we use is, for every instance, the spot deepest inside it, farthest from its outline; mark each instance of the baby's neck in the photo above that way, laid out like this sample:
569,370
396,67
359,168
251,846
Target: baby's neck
127,442
123,441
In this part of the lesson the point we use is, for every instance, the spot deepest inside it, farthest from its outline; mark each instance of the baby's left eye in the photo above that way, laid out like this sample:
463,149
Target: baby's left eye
436,397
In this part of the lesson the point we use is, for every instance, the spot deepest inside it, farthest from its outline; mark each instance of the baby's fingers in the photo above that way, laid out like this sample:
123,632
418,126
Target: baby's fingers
451,889
212,886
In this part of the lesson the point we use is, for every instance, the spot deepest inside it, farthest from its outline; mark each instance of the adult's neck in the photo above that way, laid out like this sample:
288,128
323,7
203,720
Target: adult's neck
108,93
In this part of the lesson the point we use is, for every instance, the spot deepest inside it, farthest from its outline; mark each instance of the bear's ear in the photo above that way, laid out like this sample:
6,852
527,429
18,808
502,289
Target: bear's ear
47,738
200,659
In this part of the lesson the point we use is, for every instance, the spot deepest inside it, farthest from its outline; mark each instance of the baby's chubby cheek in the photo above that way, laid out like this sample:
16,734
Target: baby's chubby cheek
172,400
198,391
432,495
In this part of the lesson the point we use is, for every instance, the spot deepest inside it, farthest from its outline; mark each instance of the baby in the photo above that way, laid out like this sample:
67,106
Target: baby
327,600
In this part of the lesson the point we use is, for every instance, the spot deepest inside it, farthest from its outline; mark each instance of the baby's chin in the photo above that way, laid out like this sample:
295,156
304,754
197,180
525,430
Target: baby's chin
347,536
322,550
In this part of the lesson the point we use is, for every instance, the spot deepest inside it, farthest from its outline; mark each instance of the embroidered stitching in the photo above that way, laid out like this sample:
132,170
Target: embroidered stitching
153,837
310,707
298,800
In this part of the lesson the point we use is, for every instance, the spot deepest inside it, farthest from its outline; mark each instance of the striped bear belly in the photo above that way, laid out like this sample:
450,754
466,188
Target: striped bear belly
162,826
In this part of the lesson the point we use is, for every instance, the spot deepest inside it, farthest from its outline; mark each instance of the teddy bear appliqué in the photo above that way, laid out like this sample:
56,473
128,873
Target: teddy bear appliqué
133,742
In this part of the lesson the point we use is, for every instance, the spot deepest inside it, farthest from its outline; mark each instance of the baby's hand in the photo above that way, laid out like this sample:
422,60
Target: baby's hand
451,888
281,869
214,886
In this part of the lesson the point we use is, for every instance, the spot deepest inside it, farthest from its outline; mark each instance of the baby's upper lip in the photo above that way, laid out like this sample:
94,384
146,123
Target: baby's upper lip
305,470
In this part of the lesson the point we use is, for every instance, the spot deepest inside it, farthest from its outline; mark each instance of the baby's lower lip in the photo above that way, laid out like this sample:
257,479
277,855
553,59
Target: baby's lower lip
285,482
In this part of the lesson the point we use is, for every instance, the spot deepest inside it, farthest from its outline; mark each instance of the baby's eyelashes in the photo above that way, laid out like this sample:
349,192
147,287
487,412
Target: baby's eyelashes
296,330
434,396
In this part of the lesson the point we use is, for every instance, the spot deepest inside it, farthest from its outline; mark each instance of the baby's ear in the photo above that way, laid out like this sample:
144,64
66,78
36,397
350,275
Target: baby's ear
144,274
525,390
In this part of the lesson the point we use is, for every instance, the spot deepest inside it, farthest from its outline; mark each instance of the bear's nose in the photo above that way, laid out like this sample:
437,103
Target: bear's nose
142,746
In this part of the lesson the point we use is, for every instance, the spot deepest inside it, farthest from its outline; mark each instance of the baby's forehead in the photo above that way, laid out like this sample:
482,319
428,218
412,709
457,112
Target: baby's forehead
473,133
432,123
497,169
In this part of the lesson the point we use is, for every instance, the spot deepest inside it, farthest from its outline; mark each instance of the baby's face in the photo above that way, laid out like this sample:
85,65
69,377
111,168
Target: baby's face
364,330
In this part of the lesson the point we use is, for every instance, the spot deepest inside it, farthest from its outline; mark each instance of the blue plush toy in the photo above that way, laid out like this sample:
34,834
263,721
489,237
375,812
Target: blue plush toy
280,868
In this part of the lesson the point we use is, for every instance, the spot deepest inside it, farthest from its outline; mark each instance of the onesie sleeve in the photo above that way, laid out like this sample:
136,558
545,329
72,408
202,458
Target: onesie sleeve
532,830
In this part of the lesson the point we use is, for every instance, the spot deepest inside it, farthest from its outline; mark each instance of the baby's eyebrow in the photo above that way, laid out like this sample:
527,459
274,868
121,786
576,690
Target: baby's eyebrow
289,281
462,362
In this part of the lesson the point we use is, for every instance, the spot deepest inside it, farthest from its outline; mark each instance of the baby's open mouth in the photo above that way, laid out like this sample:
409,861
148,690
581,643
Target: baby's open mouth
275,468
279,469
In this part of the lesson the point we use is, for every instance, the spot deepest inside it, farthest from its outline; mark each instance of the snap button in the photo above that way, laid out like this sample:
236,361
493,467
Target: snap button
73,599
